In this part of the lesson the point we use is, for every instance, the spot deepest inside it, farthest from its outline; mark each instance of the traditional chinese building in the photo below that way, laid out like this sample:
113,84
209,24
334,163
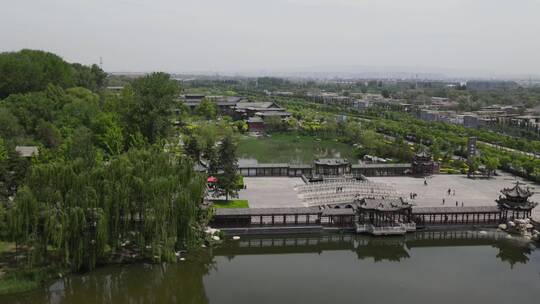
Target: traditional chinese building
384,216
514,202
423,164
255,124
332,166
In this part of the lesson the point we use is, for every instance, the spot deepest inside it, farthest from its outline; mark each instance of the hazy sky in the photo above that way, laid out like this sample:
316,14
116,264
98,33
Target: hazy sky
500,36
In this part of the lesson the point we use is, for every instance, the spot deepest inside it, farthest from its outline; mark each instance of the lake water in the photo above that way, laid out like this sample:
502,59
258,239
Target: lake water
286,148
425,267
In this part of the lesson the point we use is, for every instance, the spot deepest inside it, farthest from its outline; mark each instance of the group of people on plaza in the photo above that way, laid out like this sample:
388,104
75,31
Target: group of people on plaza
452,192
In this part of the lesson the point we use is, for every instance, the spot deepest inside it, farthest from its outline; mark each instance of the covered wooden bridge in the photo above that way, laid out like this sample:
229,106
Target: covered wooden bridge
283,217
433,216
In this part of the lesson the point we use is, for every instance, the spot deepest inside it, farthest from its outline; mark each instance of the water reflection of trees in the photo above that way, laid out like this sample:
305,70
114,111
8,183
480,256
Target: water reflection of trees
183,282
514,252
146,283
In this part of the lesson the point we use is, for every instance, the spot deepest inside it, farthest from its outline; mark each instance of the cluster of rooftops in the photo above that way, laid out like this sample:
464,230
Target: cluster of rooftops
237,106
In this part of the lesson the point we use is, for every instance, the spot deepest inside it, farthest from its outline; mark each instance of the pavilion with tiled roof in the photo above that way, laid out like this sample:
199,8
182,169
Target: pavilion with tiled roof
382,212
515,202
423,164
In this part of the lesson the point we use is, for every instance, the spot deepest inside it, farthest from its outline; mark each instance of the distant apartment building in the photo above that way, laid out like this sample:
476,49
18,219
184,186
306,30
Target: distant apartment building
527,121
361,105
443,103
475,121
480,85
442,116
373,97
331,98
282,93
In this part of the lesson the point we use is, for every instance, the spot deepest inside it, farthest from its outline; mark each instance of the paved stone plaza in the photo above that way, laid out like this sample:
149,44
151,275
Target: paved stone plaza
472,192
271,192
274,192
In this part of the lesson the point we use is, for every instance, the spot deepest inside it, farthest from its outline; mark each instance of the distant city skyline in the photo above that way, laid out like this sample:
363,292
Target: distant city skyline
455,38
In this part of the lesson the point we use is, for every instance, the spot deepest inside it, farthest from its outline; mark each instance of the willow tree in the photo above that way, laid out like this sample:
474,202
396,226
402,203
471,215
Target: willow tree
145,200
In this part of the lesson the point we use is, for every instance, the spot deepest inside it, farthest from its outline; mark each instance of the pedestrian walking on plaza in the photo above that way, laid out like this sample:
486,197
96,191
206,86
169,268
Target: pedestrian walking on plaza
456,203
449,190
462,204
443,201
454,192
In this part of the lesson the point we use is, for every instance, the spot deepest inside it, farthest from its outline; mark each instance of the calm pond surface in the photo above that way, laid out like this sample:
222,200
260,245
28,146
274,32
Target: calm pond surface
425,267
293,149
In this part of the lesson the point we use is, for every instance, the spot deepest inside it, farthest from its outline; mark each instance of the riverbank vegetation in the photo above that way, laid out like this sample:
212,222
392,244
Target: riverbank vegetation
108,183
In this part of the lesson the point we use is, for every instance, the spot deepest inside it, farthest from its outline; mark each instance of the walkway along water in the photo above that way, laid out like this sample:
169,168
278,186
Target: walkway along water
376,216
314,219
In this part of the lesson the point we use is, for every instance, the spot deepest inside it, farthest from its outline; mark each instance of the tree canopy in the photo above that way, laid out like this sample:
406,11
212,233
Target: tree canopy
33,70
104,184
143,198
149,106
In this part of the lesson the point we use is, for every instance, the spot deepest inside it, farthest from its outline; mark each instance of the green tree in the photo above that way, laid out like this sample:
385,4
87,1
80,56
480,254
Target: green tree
80,107
274,124
108,133
528,166
9,124
3,150
210,155
150,106
193,148
492,163
292,123
92,78
80,146
12,173
49,134
227,183
31,71
31,108
241,126
144,201
207,109
474,164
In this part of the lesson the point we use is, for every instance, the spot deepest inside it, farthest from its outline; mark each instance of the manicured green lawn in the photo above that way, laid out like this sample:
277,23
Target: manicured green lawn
232,204
292,148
